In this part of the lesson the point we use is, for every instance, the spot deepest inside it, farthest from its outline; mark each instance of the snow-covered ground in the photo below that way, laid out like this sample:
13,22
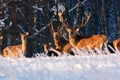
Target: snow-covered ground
79,67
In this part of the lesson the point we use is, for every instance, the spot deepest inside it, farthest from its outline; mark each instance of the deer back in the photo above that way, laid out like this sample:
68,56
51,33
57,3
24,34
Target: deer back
11,51
95,41
78,40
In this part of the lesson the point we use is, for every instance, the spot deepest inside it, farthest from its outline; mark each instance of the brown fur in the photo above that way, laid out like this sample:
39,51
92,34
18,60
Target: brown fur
61,43
15,50
95,41
116,44
67,49
76,39
59,40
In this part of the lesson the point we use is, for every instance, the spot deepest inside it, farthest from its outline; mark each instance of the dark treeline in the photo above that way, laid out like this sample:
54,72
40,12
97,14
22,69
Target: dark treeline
34,16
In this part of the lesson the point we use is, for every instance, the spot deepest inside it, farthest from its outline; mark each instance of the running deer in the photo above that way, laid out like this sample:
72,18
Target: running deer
16,50
77,40
116,44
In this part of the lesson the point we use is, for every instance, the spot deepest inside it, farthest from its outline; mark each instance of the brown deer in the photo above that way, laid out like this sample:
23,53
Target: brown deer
76,39
62,45
116,44
16,50
60,41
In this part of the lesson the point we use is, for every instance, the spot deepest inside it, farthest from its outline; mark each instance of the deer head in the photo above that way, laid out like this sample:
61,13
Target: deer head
57,35
24,36
60,40
74,34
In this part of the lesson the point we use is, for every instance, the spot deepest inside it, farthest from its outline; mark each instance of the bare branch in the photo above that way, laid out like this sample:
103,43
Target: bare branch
37,32
21,28
40,9
70,10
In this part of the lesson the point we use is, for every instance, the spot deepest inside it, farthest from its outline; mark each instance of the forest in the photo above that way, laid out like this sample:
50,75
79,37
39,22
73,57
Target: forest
35,16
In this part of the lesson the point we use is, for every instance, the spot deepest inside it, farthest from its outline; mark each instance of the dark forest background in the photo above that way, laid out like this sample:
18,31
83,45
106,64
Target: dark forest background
34,16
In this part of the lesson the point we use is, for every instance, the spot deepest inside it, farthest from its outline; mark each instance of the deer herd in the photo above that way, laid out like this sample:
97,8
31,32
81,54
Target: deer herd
65,40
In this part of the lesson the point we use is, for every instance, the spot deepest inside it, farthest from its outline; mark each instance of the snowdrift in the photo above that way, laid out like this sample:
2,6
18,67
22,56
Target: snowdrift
79,67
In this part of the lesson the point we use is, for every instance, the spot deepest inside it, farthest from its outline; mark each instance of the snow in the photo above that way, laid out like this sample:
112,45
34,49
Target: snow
79,67
60,7
40,9
2,22
83,3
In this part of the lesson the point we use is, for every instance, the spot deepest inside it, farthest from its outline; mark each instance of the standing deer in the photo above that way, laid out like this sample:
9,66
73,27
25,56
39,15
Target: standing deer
76,39
116,44
15,50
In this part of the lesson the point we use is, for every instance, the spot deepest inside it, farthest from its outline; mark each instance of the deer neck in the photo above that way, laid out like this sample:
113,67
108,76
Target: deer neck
72,40
57,44
45,48
56,41
24,46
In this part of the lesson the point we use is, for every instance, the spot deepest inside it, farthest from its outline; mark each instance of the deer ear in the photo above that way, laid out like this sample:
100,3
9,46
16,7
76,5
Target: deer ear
77,29
68,29
27,33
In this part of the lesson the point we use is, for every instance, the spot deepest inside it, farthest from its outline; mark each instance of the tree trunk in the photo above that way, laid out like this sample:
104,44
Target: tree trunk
29,48
112,22
1,9
14,14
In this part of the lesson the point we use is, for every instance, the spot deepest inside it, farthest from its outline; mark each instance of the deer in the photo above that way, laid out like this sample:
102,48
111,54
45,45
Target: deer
60,41
16,50
116,44
79,41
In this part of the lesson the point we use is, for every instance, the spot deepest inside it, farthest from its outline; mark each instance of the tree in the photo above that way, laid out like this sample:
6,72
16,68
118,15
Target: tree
29,47
112,20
